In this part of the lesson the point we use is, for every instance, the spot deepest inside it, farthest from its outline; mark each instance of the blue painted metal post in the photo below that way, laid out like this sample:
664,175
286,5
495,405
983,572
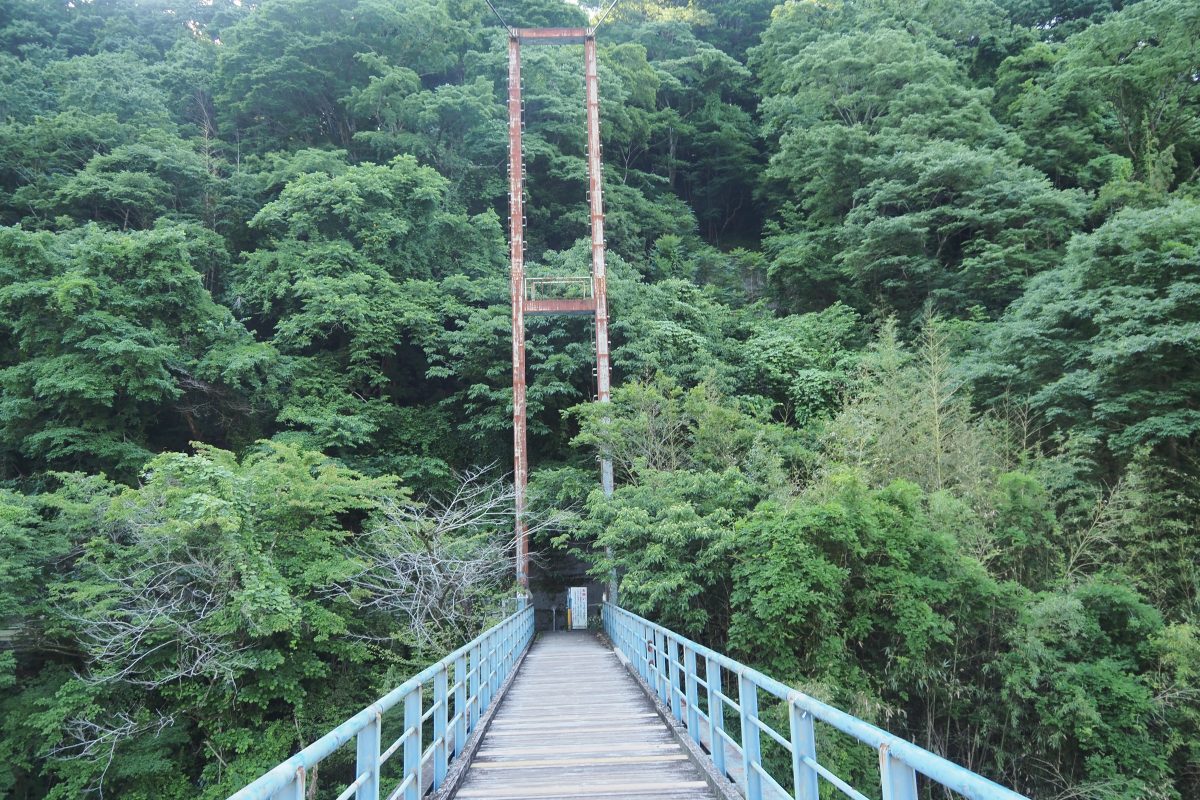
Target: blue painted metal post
441,706
751,750
501,665
510,635
500,661
368,760
899,779
644,653
412,744
660,652
461,711
673,660
476,670
514,636
652,659
485,676
716,714
294,790
496,664
804,744
649,653
689,676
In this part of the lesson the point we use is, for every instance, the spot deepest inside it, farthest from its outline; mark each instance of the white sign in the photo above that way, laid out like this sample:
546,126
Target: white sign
577,605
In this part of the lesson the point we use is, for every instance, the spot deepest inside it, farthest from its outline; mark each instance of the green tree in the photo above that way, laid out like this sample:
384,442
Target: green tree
894,184
1141,62
691,462
115,349
1103,346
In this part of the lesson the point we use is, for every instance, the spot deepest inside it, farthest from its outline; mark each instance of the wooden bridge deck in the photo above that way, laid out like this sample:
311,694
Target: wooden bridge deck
575,724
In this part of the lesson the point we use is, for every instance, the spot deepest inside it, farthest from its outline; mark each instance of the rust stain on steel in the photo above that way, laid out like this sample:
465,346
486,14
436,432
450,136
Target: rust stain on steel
551,35
568,306
572,306
599,276
516,204
522,305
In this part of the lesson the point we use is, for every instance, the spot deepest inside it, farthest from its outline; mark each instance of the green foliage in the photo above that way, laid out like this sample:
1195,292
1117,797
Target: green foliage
805,362
910,418
117,349
1080,665
895,185
1103,346
1141,63
903,329
200,603
692,463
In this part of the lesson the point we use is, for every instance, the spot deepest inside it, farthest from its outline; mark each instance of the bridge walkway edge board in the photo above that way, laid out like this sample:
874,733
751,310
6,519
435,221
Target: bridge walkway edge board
575,724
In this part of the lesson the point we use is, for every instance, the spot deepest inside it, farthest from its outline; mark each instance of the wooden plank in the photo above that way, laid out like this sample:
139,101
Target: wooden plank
576,725
554,749
646,789
577,762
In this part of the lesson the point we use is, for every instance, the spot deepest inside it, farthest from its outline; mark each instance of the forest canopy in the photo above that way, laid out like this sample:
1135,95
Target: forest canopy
905,304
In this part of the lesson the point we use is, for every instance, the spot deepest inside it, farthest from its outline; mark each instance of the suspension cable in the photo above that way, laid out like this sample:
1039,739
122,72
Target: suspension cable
604,15
507,27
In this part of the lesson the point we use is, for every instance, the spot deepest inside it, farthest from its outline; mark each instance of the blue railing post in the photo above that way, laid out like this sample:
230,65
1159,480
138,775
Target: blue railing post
673,660
412,745
294,790
368,760
462,715
689,676
648,655
476,672
751,750
441,704
644,653
660,657
485,675
510,636
804,745
716,714
500,662
652,658
899,779
496,663
502,671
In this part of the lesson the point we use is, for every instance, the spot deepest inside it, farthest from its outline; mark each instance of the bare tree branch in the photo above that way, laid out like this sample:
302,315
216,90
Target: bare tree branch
430,564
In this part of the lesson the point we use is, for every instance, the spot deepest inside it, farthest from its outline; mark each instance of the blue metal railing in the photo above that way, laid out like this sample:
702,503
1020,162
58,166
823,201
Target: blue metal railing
480,669
655,652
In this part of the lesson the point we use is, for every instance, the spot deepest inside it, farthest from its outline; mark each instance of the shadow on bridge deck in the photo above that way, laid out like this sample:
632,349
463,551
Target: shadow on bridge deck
575,724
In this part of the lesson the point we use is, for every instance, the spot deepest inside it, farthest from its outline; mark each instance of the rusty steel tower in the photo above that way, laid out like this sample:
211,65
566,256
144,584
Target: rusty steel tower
578,296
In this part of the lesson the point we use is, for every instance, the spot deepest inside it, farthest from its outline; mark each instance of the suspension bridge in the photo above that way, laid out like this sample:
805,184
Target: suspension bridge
632,710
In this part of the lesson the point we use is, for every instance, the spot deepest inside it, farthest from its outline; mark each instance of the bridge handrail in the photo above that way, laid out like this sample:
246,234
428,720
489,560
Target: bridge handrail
654,652
491,657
